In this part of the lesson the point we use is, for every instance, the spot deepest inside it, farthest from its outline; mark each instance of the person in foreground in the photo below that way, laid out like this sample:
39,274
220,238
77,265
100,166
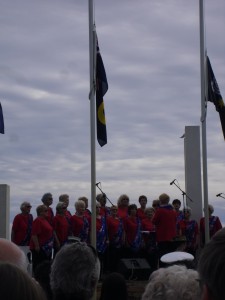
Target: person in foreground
175,282
75,272
211,268
10,252
17,284
114,287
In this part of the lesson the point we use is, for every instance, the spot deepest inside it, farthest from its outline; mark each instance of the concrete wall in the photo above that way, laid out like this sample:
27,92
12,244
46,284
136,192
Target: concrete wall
193,181
4,211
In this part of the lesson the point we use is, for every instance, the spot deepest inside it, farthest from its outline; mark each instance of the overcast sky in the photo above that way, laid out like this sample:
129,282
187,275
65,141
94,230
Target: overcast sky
150,50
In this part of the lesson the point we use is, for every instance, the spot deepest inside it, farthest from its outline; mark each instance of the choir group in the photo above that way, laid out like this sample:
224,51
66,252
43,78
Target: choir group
122,231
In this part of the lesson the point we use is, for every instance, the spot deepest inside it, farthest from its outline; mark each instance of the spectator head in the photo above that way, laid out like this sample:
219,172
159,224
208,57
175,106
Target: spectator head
75,272
11,253
114,287
47,199
174,282
17,284
164,199
211,267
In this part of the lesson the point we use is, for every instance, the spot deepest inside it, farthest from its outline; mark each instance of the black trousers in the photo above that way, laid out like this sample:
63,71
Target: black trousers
38,258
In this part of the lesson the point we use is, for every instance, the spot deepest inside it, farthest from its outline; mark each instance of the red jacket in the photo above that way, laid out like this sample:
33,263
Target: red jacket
165,221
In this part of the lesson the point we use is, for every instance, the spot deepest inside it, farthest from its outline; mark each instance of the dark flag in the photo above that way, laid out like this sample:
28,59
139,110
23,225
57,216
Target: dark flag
215,96
2,128
101,89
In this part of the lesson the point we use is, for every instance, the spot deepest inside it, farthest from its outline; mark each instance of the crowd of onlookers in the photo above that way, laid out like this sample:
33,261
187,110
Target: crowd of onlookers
75,271
122,231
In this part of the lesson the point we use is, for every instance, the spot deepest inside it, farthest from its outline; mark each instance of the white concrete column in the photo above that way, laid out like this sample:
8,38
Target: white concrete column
4,211
193,182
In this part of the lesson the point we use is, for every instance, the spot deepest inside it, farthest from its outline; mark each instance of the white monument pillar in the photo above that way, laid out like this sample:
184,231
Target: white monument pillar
193,182
4,211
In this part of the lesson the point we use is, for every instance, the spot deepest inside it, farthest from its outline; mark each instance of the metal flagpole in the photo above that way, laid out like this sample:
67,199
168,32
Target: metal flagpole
203,118
92,58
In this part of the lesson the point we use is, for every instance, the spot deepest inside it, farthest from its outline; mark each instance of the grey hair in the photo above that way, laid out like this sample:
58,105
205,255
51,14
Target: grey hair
211,208
59,206
174,282
23,204
40,209
79,203
75,272
187,208
151,209
121,198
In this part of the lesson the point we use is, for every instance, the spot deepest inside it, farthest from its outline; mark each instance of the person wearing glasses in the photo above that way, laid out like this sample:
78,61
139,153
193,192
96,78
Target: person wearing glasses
22,225
47,200
42,237
122,204
64,198
61,227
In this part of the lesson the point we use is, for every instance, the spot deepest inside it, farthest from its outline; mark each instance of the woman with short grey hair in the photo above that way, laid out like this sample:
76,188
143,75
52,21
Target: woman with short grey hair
22,225
174,282
75,272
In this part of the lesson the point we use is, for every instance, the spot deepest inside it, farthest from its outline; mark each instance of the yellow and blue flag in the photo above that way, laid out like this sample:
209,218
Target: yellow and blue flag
101,89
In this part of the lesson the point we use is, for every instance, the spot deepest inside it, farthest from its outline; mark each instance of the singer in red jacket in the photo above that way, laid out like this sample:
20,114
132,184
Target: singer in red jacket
165,221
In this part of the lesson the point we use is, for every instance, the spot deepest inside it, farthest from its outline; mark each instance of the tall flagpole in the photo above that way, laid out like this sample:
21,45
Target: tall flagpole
92,58
203,117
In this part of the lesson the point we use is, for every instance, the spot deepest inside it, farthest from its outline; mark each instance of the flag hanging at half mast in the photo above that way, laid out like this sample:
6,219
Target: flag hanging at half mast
101,89
2,127
214,95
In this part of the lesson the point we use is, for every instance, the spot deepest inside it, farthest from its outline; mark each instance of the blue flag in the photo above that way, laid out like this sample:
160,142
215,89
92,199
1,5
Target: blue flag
214,95
2,127
101,89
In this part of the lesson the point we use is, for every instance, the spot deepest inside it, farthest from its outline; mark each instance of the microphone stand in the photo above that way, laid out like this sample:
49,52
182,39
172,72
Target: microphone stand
183,194
104,194
221,196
